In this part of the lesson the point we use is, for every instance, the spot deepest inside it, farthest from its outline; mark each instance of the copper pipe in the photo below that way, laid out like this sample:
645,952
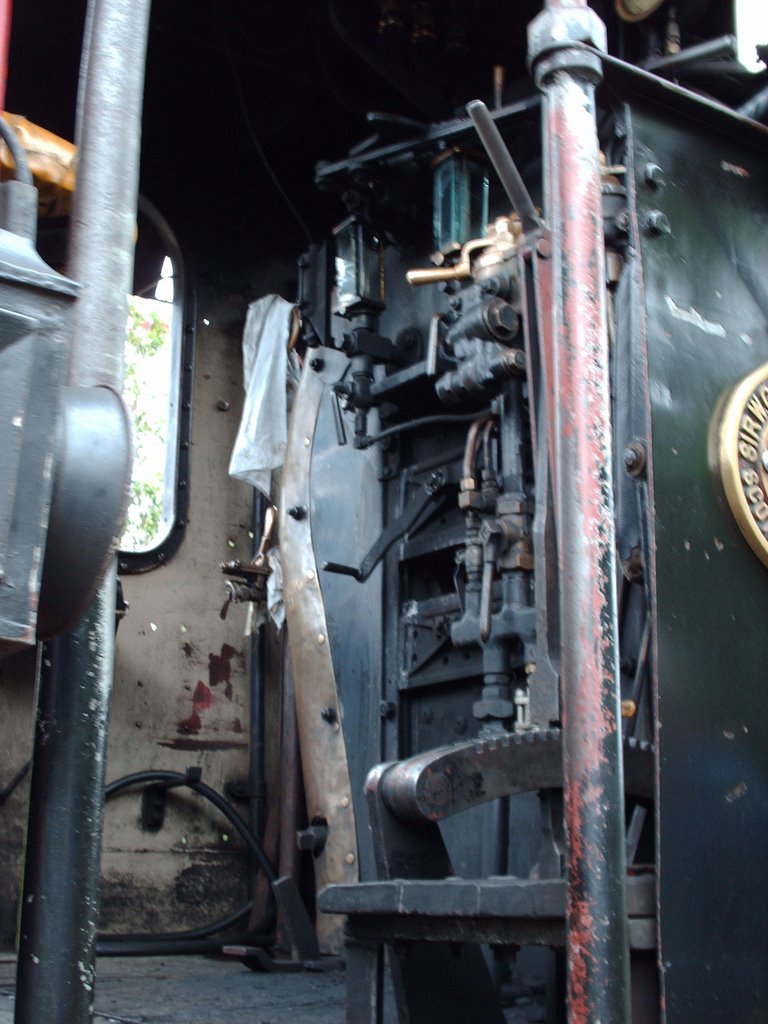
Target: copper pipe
470,448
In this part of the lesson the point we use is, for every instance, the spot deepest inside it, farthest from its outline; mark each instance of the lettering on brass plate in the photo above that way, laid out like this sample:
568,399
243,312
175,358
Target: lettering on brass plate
743,457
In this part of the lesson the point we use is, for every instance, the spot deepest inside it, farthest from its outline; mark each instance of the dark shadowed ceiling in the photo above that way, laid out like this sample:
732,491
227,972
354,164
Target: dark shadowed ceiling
243,94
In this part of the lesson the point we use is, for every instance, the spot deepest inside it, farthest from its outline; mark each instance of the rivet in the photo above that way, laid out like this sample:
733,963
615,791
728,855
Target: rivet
310,575
307,442
657,223
345,801
320,638
350,858
654,176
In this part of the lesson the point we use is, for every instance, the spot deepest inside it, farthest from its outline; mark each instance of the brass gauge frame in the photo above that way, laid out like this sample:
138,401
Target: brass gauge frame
742,454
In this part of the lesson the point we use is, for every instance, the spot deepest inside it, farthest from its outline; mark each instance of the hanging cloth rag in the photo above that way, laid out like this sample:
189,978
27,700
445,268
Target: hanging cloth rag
269,372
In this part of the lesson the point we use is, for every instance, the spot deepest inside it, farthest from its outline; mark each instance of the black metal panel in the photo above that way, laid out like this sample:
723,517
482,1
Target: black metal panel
703,230
346,520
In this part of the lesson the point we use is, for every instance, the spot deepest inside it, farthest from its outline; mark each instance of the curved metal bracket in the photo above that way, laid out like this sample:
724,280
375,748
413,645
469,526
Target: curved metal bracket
446,781
90,497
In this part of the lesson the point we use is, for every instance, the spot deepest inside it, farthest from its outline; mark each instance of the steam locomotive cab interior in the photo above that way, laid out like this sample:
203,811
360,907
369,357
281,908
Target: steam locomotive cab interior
383,601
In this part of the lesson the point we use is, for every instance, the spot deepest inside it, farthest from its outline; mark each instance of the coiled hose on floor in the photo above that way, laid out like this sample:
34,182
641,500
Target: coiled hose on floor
195,940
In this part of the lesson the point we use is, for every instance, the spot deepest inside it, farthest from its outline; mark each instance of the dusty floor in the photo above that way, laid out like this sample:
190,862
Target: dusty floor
208,990
200,990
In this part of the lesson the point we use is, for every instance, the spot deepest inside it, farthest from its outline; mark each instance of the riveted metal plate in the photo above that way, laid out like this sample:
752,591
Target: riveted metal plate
323,751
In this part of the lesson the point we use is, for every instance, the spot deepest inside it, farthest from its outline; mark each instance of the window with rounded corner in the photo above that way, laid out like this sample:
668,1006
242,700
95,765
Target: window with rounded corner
158,364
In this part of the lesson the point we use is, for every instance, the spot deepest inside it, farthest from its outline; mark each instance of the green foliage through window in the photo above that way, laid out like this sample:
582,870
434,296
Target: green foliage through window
148,375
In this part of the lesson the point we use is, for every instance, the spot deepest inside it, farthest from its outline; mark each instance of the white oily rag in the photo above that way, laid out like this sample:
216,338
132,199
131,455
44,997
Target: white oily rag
269,370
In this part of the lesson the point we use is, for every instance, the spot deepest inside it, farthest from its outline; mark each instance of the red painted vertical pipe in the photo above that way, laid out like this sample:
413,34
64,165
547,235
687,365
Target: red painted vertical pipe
597,942
6,9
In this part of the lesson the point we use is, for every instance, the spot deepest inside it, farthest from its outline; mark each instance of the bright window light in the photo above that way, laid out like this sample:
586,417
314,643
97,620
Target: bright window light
164,289
751,31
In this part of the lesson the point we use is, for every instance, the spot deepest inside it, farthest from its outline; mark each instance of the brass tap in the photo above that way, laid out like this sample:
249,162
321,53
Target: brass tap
456,272
503,236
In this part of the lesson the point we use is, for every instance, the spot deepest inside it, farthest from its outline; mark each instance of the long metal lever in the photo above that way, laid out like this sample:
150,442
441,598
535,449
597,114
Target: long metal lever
505,167
421,507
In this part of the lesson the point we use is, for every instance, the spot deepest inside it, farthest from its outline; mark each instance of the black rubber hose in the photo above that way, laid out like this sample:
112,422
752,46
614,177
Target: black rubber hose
425,421
194,941
218,801
203,932
11,139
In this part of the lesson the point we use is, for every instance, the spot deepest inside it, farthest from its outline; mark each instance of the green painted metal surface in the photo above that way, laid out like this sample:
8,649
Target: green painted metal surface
706,297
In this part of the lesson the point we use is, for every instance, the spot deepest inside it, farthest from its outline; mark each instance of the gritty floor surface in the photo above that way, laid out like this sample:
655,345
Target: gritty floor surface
217,990
200,990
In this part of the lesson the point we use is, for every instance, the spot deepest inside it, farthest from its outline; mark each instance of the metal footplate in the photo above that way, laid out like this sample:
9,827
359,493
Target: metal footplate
500,911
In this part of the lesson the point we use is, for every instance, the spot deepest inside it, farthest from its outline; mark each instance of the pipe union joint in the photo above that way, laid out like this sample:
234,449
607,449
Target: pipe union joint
551,32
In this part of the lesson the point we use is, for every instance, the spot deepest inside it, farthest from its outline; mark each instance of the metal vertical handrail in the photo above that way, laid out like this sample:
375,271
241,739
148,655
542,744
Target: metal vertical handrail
55,974
579,410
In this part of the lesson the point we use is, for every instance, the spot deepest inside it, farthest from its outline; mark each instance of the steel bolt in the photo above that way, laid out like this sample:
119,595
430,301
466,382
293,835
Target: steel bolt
544,248
387,709
222,405
435,482
634,459
657,223
654,176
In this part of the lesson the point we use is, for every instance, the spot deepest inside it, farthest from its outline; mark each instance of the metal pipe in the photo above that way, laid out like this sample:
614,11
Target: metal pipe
723,46
256,677
292,814
108,138
6,13
55,972
470,448
59,906
597,940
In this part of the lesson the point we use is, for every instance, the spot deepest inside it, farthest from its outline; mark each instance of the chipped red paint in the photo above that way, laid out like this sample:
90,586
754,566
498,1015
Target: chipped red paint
202,699
220,667
579,414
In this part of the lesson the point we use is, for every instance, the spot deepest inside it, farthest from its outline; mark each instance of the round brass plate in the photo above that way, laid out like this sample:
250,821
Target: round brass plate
636,10
742,447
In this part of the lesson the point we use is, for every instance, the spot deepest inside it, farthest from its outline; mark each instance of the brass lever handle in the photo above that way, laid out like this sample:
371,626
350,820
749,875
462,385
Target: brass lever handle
456,272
